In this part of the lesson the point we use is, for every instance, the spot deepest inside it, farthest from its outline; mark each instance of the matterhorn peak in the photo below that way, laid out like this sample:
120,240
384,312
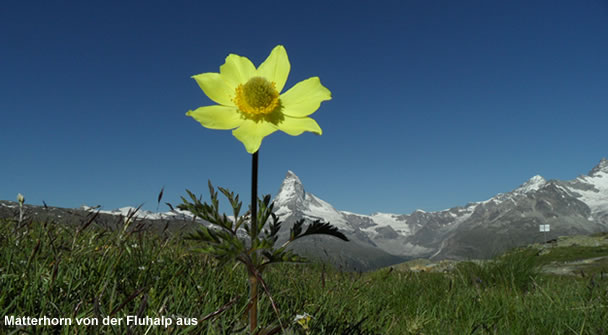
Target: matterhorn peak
533,184
601,167
291,190
291,175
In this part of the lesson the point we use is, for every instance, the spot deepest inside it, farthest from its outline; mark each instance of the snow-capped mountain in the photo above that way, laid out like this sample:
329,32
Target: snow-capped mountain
292,203
129,211
476,230
293,199
592,190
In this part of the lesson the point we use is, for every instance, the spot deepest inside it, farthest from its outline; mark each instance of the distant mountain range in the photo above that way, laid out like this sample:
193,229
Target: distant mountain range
476,230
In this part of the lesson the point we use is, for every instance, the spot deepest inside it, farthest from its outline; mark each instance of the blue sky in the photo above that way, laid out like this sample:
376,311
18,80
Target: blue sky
435,103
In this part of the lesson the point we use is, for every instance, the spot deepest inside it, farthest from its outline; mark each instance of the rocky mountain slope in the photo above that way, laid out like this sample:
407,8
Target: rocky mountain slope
476,230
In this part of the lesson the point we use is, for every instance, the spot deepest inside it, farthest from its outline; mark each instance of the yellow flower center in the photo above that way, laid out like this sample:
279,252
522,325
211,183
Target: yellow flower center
256,97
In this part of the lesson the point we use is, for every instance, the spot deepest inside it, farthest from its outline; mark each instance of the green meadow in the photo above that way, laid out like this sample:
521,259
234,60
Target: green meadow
88,272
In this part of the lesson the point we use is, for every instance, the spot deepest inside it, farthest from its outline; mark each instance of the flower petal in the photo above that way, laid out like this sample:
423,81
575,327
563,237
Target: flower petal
304,98
217,117
296,126
215,88
276,67
237,70
251,134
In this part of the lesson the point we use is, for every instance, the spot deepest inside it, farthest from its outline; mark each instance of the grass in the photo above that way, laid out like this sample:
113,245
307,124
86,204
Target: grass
573,253
55,270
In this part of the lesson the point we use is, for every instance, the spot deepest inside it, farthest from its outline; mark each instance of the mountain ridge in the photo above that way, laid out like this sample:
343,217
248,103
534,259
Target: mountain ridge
475,230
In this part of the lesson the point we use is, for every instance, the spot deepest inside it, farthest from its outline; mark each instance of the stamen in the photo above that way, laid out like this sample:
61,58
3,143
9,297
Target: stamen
256,97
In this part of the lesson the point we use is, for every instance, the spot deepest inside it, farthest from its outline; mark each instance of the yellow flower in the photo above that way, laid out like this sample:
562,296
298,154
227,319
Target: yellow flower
249,99
303,320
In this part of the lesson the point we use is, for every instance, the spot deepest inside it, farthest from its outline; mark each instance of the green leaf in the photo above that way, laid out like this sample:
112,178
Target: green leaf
320,228
220,239
204,234
296,230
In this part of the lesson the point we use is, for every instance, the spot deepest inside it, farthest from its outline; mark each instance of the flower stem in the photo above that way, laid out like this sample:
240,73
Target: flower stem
253,282
254,194
253,303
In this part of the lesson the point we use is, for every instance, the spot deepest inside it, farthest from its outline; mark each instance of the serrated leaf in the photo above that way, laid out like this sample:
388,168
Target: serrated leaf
296,230
323,228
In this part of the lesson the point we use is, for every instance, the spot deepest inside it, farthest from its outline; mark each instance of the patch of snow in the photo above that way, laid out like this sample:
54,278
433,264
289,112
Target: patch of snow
533,184
440,248
319,209
89,208
597,198
282,211
490,200
463,217
560,187
354,214
140,214
390,220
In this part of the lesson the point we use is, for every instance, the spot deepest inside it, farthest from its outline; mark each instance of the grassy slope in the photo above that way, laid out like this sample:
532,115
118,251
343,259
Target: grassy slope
61,271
